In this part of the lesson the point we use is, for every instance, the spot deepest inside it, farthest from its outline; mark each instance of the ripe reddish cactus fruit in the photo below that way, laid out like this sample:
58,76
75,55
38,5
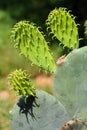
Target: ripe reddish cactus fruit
74,124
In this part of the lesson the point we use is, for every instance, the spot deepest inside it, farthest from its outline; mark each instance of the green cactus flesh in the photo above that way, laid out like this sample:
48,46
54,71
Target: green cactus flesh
32,44
63,27
70,83
47,114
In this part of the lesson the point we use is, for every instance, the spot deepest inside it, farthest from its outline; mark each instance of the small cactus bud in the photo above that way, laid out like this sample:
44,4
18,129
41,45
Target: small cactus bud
21,83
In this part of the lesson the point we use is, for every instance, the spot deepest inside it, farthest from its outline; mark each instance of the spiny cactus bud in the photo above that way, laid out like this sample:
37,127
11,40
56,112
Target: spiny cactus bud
32,44
21,83
63,27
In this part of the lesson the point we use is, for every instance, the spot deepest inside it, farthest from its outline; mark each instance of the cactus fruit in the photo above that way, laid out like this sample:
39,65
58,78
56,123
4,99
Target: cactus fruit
63,27
32,44
48,116
70,83
74,124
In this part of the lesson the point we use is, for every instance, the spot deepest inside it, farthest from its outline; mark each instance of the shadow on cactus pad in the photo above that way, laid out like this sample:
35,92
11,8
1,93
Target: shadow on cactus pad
26,106
50,115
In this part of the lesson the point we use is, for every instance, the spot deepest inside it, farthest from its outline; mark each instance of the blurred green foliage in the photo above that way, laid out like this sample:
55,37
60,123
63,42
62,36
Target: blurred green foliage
4,115
2,85
5,27
9,57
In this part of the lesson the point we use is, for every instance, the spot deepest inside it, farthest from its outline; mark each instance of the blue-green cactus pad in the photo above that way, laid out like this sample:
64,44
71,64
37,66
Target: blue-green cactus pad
70,83
50,115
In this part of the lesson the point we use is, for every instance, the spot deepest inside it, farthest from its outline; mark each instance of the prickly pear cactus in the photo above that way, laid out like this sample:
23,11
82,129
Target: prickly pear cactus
70,83
32,44
63,27
48,115
35,109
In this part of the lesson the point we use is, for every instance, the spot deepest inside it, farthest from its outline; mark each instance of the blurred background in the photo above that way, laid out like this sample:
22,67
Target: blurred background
35,11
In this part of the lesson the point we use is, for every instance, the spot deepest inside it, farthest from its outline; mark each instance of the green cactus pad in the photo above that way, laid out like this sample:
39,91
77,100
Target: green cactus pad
50,115
22,83
70,83
63,27
32,44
